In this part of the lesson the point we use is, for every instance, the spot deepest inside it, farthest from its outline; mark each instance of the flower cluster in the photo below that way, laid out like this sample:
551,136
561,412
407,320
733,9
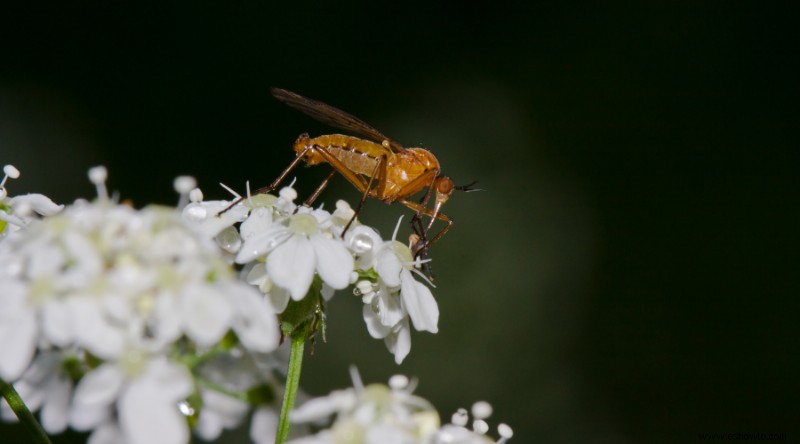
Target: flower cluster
285,247
378,414
111,315
144,326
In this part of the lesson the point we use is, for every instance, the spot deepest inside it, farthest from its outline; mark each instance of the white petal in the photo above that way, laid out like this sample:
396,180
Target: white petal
374,326
207,314
148,411
278,298
389,306
57,323
259,221
399,343
18,334
39,202
55,411
388,266
219,412
85,417
206,215
173,381
255,273
291,266
264,426
262,243
146,418
386,434
108,433
45,261
256,323
321,408
95,333
334,262
100,386
420,304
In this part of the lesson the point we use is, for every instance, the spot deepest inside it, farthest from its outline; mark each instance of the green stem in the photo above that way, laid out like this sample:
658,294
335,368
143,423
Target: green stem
292,380
25,416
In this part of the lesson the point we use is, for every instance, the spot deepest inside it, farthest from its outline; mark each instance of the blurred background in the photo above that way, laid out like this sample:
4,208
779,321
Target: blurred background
629,274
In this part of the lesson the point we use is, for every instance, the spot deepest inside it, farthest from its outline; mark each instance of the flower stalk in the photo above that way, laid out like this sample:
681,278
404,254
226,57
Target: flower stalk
23,414
298,337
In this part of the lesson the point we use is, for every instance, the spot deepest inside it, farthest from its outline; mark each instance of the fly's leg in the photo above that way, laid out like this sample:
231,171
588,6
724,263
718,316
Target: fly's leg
319,189
274,183
380,171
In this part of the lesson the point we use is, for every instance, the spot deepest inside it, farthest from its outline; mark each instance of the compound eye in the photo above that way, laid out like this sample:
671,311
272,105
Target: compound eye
444,185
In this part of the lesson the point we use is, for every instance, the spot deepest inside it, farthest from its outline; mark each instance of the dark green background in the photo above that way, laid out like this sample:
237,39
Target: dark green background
628,276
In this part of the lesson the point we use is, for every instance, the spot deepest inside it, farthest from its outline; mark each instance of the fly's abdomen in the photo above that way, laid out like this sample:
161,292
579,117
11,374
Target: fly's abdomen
357,155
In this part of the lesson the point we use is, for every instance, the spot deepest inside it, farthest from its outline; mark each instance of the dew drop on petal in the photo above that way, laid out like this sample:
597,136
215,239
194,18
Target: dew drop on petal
362,243
185,408
229,240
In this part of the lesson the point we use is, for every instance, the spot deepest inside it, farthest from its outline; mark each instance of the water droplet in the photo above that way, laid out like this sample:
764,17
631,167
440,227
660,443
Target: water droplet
362,243
229,240
185,408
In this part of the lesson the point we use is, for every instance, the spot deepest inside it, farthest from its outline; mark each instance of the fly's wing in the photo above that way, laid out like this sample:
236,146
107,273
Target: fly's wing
334,117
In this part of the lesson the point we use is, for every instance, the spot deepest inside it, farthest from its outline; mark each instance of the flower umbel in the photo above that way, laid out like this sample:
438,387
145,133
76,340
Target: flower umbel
128,298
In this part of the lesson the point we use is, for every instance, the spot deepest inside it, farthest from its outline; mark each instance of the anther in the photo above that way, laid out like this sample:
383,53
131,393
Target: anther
481,410
398,382
460,417
98,176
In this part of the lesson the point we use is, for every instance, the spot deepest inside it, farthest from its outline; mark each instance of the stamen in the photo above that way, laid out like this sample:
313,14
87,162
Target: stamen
183,185
358,384
460,417
481,410
397,228
505,432
480,426
398,382
196,195
98,176
9,172
230,190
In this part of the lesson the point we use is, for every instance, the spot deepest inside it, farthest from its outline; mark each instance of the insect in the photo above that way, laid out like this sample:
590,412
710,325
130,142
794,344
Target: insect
376,165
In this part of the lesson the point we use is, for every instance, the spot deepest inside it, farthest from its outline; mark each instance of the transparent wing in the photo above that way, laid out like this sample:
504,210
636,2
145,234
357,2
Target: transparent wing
334,117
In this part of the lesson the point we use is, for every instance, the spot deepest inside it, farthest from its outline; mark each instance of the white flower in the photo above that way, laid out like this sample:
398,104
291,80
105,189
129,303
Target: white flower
219,412
47,388
394,266
145,393
375,414
296,247
458,433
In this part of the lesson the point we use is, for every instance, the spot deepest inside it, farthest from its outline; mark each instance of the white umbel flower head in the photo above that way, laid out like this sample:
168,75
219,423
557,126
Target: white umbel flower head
124,291
373,414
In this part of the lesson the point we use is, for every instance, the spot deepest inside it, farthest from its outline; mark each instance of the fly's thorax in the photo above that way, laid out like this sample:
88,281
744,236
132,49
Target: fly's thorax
425,158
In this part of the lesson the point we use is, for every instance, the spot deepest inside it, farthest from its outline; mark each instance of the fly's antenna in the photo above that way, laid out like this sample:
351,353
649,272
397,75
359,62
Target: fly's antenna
468,188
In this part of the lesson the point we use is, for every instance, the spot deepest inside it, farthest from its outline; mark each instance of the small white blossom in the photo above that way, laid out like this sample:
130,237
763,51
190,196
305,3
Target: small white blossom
296,247
374,414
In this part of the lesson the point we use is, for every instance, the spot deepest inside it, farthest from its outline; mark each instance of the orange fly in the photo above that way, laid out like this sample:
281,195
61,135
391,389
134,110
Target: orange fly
376,165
